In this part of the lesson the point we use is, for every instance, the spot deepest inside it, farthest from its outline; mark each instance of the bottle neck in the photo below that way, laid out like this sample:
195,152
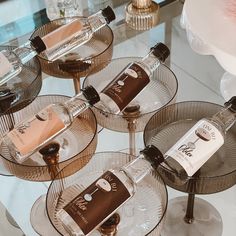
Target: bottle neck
77,105
151,62
97,21
137,169
25,52
225,118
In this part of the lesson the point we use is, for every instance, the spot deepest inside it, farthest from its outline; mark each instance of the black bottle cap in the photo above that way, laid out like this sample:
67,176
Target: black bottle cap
91,95
38,44
50,149
153,155
109,14
232,102
161,51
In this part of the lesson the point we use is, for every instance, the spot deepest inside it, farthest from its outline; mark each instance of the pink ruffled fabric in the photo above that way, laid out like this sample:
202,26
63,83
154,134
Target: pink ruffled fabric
230,8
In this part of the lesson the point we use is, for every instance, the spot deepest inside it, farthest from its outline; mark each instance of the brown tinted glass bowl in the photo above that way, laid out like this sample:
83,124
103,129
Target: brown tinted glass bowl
169,124
161,90
80,61
25,86
137,215
78,142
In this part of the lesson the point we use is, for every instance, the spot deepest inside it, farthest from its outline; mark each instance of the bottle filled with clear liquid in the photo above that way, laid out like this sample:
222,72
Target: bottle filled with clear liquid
192,150
53,45
32,134
88,210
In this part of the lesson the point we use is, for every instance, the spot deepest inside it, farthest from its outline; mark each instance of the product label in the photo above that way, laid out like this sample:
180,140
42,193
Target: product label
62,34
196,146
5,65
126,86
97,202
28,135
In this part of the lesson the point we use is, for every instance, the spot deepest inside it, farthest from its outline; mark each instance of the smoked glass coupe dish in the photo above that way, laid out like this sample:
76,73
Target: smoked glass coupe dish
161,90
190,215
142,215
17,93
80,61
78,140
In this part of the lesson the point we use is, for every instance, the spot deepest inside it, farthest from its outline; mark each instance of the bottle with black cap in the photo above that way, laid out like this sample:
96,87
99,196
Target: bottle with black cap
34,133
98,202
55,44
132,79
199,143
30,135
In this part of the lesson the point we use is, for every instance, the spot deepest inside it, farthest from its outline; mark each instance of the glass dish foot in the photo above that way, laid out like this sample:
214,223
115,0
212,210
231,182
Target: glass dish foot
206,221
4,172
39,218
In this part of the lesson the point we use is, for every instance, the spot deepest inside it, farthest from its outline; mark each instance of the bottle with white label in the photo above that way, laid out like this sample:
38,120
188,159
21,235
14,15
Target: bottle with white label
55,44
201,141
104,196
30,135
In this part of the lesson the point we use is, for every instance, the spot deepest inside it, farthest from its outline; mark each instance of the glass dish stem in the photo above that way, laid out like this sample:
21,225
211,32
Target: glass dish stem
132,138
190,208
76,81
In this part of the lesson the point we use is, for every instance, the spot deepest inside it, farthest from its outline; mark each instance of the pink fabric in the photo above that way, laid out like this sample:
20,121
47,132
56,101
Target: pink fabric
230,8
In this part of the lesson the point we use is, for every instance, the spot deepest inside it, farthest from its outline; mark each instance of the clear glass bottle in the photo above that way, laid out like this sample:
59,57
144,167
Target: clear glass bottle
32,134
55,118
88,210
132,79
201,141
55,44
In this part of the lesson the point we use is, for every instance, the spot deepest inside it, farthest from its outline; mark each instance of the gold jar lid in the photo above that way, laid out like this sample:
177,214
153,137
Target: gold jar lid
142,18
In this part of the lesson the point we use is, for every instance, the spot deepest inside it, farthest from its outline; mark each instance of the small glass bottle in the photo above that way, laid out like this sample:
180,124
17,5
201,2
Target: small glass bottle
132,79
194,148
55,44
55,118
88,210
31,135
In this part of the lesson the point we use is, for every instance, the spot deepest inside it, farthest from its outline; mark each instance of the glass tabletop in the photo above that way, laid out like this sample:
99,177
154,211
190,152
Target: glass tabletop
198,77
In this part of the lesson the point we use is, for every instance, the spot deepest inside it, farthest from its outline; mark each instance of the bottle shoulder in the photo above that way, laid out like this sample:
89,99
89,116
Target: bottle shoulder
216,124
124,178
